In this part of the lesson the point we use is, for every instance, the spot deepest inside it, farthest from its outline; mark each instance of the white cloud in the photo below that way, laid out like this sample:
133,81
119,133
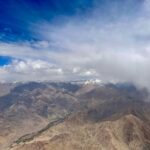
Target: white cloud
30,70
112,51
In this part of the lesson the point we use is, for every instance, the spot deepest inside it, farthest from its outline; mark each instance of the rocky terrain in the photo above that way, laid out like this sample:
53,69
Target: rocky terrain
71,116
31,106
5,88
126,133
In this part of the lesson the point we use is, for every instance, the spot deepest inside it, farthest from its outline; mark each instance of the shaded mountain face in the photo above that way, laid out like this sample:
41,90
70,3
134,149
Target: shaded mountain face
31,106
45,115
37,97
5,88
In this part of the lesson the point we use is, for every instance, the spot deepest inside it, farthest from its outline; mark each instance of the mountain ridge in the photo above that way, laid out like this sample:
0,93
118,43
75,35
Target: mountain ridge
28,110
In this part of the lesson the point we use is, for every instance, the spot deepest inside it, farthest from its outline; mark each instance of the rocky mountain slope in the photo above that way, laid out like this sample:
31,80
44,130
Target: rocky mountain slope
5,88
31,106
112,118
126,133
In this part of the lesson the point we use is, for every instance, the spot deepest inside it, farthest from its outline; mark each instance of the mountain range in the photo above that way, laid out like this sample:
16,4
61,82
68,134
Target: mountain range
74,116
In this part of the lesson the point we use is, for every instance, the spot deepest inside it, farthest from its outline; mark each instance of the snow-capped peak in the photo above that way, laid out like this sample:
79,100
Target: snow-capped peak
93,81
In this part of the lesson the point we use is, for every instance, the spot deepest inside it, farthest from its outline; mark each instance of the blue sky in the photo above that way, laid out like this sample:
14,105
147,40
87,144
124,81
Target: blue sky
5,60
18,16
73,40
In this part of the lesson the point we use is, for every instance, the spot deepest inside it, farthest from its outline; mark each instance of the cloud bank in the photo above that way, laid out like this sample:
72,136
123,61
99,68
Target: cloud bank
113,49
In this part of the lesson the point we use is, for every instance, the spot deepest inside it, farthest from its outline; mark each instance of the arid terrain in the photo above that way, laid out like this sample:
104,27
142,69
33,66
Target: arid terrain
74,116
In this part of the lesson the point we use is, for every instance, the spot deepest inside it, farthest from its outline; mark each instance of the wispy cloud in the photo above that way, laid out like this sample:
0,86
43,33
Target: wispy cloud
92,47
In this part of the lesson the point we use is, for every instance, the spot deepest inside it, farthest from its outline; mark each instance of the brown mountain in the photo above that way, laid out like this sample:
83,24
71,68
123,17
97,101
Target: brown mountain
29,107
112,117
125,133
5,88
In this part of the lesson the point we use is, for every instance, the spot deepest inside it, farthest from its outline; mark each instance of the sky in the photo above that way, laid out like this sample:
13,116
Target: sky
63,40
